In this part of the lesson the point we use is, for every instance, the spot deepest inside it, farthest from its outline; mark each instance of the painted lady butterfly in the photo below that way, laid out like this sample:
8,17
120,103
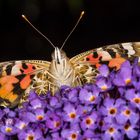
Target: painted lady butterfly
18,77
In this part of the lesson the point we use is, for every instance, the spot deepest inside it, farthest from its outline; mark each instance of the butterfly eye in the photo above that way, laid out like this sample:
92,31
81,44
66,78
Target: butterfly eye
63,54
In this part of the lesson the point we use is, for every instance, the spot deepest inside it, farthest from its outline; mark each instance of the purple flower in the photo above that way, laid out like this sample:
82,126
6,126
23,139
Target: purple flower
104,70
9,121
20,124
73,95
30,134
54,102
31,117
2,136
11,114
89,97
103,83
1,114
32,95
56,136
133,97
89,121
136,68
124,75
36,103
39,114
53,121
130,131
84,110
112,131
72,133
127,113
90,135
70,113
110,108
8,130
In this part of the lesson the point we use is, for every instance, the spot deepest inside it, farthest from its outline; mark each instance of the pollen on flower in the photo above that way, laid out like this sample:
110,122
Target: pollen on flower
127,81
136,100
89,121
72,115
111,130
74,136
30,137
92,98
84,111
112,111
104,87
40,117
127,127
57,124
127,112
8,129
23,125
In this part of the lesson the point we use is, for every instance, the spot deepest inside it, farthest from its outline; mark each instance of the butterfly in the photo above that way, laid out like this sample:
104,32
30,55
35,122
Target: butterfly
17,78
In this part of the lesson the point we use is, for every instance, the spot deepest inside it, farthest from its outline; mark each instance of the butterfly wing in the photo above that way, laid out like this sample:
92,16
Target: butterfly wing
16,77
87,63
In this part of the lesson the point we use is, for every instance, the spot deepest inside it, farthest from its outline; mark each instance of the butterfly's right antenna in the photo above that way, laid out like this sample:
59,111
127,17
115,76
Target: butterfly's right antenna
81,15
24,17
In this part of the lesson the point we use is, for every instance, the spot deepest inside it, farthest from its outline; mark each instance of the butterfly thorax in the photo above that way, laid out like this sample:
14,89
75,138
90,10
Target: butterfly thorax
61,69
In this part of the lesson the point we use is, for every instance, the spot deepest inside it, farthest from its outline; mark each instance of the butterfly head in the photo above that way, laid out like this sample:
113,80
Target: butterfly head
58,55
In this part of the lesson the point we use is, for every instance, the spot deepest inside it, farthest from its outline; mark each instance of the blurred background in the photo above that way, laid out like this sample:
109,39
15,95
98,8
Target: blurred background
104,23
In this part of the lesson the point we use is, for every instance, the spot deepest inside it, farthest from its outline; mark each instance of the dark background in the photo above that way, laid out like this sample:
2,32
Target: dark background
105,22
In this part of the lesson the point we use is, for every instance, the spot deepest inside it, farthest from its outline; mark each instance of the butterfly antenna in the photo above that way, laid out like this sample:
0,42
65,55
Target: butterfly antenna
25,18
81,15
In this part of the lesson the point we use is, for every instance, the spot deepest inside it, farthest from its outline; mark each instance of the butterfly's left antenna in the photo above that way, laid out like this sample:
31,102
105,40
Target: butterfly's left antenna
24,17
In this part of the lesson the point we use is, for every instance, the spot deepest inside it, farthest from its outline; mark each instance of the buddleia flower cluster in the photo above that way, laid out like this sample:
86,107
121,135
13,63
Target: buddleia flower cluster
109,109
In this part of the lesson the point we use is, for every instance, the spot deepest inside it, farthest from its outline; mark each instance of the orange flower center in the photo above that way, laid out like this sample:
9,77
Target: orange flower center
57,124
8,129
40,117
72,115
73,136
104,87
111,130
136,100
128,81
89,121
31,137
112,111
92,98
127,112
126,127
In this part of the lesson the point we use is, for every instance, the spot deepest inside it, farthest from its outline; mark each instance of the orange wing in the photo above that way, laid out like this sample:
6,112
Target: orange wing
15,78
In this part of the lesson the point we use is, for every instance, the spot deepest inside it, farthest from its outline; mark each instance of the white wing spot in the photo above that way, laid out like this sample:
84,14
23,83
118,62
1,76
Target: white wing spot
129,47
